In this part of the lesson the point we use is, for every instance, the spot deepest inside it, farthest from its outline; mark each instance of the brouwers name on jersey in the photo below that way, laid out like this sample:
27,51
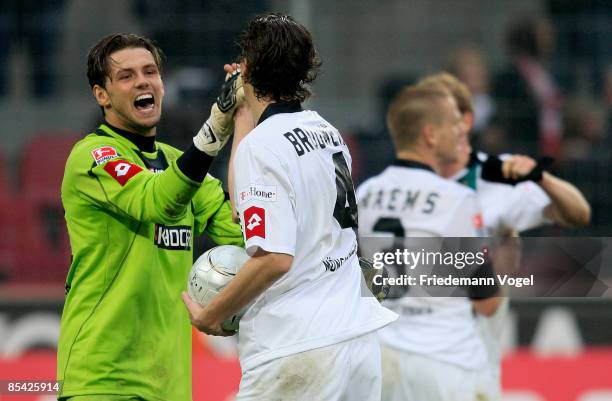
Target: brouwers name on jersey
304,141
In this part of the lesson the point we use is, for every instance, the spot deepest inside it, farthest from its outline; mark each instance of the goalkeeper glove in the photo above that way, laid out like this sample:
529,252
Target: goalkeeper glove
216,131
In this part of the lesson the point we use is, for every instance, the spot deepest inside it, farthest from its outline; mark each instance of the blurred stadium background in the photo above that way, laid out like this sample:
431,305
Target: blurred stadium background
557,349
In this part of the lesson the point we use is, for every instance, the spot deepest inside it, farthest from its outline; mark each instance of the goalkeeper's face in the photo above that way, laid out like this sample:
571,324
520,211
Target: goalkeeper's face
132,97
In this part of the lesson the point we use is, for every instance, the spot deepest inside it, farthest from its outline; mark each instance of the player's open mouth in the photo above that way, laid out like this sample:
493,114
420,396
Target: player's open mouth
144,102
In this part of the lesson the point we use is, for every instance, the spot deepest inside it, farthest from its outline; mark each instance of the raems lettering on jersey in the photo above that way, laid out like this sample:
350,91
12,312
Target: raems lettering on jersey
305,141
122,170
255,222
399,200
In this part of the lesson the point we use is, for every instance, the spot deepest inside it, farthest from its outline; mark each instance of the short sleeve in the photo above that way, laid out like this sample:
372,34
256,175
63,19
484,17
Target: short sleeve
264,199
525,209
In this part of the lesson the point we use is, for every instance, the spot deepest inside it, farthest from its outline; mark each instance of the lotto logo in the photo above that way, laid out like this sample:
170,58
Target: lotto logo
122,170
255,222
104,154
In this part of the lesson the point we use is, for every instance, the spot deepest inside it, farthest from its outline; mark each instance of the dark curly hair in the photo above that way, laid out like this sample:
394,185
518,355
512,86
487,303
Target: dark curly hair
280,57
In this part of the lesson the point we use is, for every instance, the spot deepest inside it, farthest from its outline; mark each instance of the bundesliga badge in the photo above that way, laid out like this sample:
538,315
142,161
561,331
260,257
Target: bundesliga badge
104,154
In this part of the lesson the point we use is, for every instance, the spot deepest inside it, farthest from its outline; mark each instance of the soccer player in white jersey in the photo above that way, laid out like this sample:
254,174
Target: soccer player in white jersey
309,332
434,350
519,198
508,207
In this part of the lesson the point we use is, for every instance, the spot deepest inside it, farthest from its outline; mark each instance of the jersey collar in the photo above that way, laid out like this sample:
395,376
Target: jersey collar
474,160
293,106
144,143
412,164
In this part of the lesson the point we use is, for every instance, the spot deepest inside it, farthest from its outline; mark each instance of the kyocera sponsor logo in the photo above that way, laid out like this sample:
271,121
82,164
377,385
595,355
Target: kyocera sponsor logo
173,238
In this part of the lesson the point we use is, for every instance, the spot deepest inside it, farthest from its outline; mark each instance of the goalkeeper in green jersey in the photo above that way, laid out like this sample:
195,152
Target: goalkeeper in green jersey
132,208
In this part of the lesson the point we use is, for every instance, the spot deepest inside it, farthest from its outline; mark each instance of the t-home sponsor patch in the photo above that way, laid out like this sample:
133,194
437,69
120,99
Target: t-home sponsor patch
266,193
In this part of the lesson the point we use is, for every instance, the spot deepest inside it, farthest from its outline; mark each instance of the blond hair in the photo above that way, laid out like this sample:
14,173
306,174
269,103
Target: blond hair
411,110
454,86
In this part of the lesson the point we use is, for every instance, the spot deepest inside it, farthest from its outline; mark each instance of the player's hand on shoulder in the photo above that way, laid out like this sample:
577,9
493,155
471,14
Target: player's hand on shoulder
200,319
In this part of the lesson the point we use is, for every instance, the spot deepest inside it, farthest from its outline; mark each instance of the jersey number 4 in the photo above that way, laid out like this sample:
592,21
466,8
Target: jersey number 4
345,215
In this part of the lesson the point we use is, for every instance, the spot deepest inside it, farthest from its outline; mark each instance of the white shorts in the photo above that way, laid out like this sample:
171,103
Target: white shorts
492,330
348,371
413,377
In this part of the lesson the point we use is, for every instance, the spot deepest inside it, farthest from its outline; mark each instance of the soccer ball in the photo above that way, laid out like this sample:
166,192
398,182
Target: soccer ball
212,272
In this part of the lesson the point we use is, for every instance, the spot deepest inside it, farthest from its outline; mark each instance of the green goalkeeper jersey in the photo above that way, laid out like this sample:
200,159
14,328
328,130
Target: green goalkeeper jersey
131,216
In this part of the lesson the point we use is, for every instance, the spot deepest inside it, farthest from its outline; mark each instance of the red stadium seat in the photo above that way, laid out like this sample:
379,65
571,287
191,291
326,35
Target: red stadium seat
42,251
42,166
39,244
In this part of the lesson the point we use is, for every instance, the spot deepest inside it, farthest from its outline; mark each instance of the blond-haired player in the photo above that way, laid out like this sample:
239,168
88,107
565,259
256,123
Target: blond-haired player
434,351
515,195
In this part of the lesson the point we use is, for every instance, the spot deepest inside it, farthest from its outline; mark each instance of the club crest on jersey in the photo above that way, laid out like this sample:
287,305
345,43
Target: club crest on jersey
266,193
104,154
176,238
255,222
122,170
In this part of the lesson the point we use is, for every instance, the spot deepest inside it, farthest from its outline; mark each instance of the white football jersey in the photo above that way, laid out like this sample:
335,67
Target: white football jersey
294,195
508,207
504,208
423,204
